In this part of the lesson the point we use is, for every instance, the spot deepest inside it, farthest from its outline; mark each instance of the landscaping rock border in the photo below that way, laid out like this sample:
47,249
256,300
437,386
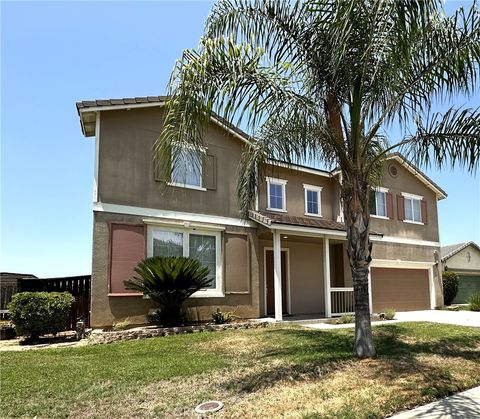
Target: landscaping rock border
101,337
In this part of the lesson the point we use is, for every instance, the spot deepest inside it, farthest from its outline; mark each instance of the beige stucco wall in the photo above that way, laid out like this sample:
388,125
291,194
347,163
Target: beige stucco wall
407,182
461,260
106,310
126,168
306,286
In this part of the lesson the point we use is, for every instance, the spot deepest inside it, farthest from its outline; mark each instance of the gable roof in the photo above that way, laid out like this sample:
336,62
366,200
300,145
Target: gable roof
452,249
87,110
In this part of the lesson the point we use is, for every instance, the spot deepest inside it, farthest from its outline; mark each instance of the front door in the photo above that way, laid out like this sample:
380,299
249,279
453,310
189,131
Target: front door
269,279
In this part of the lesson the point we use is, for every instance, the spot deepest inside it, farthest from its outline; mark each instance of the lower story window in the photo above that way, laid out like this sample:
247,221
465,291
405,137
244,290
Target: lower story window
203,246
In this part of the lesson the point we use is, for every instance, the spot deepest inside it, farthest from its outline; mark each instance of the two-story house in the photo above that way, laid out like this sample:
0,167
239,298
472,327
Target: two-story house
288,258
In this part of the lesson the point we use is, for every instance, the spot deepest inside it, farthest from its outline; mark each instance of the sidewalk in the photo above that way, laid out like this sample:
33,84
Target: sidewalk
465,405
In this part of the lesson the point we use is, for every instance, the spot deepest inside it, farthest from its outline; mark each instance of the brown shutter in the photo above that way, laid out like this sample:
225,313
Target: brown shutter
210,171
237,263
127,248
424,211
400,207
389,198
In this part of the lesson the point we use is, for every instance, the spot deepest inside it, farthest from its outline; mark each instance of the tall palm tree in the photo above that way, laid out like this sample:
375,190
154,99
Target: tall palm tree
326,80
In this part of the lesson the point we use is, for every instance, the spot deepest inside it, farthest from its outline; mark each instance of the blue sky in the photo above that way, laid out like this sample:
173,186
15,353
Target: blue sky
56,53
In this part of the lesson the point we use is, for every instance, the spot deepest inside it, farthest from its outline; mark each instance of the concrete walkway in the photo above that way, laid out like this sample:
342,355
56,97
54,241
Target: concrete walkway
459,318
465,405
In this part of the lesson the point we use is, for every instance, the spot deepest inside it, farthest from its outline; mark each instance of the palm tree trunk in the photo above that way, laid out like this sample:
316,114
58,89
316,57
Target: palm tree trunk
357,220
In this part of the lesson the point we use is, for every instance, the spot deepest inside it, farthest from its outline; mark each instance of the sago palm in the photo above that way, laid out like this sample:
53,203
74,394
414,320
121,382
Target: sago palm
325,81
169,281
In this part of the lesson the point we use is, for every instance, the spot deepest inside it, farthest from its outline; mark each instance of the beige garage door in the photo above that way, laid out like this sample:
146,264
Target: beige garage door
401,289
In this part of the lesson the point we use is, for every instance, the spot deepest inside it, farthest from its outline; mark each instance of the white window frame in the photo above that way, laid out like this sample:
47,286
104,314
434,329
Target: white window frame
380,189
186,185
218,291
283,184
412,197
313,188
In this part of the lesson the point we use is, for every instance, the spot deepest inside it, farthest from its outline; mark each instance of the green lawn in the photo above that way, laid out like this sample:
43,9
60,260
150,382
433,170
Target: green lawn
271,372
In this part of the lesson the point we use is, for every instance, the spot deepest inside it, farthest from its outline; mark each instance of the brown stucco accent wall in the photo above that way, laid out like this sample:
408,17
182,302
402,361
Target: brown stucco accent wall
106,310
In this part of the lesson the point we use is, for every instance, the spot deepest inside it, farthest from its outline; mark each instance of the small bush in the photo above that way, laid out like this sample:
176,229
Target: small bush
122,325
450,287
222,317
389,314
474,301
39,313
346,318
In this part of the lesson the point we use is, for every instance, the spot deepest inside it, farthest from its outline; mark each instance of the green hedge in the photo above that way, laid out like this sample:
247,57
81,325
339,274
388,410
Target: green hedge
39,313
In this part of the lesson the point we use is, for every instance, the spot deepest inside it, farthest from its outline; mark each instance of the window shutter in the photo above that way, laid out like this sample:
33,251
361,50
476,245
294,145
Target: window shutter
400,208
210,171
371,202
389,198
237,263
127,248
424,211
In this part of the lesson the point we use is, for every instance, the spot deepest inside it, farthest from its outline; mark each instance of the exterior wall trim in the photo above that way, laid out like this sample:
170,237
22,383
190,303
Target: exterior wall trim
173,215
97,157
404,264
401,240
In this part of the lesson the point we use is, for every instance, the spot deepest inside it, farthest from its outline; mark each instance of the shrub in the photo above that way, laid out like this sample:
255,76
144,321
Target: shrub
389,314
222,317
122,325
346,318
169,281
39,313
474,301
450,287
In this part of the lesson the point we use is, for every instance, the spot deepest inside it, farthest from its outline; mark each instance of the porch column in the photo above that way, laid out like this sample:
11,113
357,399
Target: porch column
326,276
370,304
277,275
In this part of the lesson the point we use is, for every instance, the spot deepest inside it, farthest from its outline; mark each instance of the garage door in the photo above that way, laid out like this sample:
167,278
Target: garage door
401,289
467,285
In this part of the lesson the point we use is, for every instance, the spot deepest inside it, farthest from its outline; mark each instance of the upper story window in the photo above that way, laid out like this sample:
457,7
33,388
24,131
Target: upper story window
276,194
202,245
313,202
378,202
413,208
187,169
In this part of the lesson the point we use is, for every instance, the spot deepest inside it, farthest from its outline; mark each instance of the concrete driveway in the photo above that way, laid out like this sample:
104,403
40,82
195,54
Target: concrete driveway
460,318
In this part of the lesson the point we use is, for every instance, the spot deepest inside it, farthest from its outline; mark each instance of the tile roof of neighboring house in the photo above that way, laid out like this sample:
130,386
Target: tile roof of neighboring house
268,218
87,110
452,249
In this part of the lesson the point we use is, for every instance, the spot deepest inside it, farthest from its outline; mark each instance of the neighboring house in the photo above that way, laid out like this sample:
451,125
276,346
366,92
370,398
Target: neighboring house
9,285
296,225
464,259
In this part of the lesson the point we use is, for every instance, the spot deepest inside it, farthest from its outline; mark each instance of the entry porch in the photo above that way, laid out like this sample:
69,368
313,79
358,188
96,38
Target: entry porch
304,269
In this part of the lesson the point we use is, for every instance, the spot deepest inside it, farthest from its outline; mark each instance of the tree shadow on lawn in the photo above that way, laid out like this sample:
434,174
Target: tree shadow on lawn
302,354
